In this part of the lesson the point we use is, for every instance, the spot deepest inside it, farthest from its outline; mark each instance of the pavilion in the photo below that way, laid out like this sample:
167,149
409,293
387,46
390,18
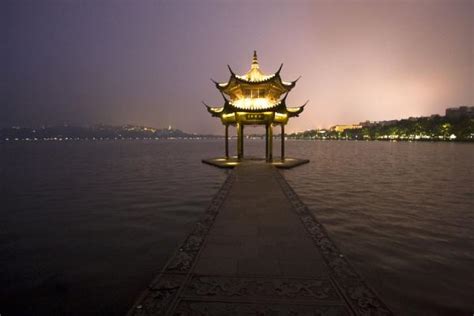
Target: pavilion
255,99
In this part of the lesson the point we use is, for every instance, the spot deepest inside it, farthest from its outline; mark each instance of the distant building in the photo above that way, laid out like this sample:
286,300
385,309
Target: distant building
462,111
341,128
388,123
367,124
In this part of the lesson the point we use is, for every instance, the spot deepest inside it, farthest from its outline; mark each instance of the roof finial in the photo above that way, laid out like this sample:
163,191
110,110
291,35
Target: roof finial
255,60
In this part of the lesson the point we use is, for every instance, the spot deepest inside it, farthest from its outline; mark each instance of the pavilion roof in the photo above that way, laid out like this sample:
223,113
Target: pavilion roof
273,100
255,77
278,106
255,74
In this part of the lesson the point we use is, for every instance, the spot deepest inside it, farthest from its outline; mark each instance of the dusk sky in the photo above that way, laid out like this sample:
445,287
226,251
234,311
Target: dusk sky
150,62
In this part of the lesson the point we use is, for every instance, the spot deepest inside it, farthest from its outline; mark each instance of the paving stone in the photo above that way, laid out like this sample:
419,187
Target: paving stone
216,266
260,266
304,268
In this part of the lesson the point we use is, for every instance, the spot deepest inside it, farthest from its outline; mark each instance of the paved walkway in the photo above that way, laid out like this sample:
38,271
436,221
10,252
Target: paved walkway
258,251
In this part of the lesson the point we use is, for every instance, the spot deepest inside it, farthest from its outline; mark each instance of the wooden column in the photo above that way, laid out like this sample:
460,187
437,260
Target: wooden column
282,142
226,141
269,143
266,142
240,140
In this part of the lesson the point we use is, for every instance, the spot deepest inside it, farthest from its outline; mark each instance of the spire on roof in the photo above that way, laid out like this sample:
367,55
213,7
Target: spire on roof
255,61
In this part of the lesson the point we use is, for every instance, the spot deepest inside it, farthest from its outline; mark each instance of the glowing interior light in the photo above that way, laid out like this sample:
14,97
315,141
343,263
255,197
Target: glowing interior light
254,103
255,75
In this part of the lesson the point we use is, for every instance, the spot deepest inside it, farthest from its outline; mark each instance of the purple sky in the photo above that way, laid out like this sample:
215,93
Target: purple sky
149,62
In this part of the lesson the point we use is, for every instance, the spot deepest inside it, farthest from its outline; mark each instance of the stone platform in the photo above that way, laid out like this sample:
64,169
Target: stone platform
231,162
258,250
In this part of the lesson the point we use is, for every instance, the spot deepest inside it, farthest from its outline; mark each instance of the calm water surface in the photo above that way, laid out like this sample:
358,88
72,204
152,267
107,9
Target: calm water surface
403,213
85,226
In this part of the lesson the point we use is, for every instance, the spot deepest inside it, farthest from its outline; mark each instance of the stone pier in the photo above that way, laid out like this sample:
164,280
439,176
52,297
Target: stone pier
258,250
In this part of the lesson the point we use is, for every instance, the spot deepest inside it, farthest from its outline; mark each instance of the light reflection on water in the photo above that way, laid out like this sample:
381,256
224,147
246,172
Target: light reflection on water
85,226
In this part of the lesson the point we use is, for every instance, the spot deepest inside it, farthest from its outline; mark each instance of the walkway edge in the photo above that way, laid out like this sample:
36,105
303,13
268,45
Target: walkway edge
357,293
160,295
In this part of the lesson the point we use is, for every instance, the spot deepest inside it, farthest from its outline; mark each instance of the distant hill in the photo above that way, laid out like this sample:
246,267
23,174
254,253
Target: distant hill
98,132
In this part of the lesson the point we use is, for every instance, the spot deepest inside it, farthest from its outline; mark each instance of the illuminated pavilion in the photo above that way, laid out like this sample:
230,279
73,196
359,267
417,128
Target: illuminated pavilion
255,99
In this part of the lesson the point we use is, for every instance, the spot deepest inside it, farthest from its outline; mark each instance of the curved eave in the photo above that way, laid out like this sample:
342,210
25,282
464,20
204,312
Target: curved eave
289,85
276,81
216,111
222,85
223,112
268,78
295,111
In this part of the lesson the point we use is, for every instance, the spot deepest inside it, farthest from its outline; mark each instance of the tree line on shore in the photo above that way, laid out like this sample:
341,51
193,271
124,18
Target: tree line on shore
434,128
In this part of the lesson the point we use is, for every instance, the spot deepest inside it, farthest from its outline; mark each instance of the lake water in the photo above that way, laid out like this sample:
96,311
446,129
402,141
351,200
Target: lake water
85,226
403,213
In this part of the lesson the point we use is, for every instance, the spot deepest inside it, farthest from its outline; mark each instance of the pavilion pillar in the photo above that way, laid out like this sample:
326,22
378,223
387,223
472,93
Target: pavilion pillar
282,142
240,140
269,134
266,142
227,141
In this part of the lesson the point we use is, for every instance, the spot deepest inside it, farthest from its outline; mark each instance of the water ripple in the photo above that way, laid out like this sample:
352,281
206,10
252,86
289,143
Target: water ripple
403,213
85,226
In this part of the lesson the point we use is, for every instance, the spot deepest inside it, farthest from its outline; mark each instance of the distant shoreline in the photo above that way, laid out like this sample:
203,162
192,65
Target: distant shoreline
456,126
72,140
